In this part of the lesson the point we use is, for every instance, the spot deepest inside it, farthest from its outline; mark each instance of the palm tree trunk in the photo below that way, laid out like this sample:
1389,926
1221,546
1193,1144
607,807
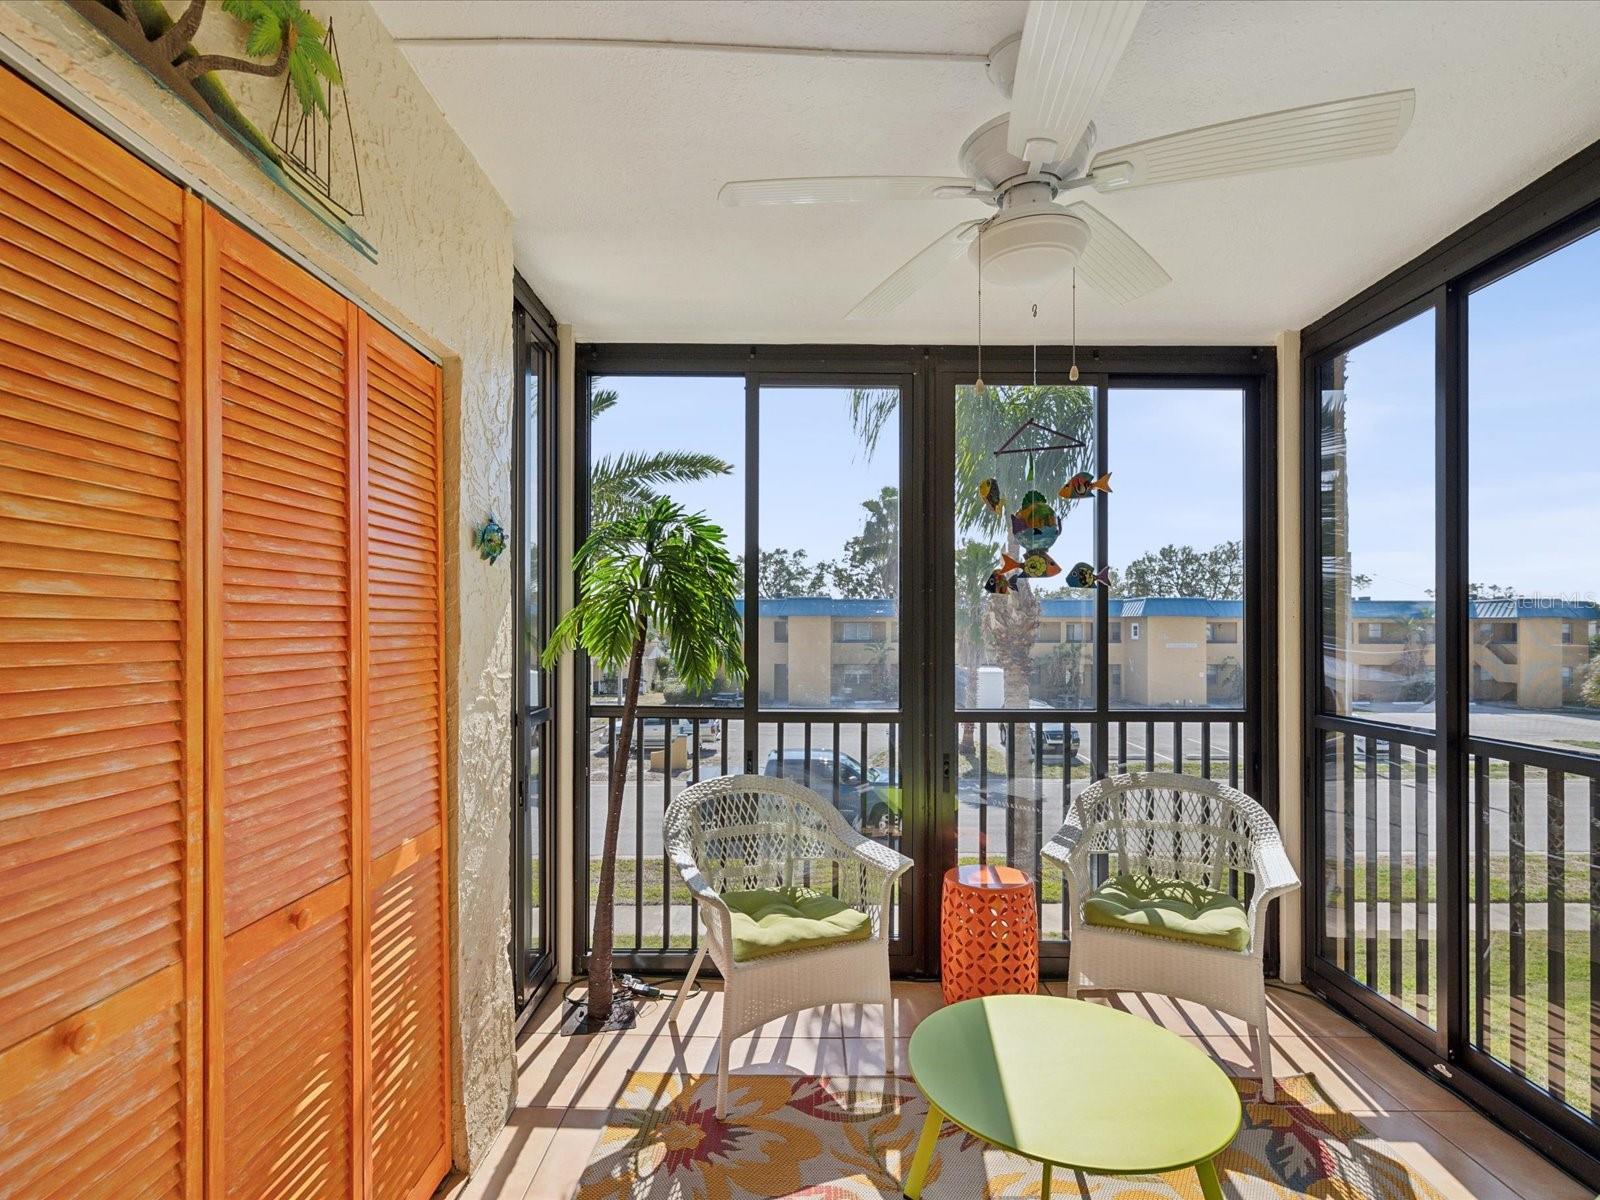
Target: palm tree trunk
194,67
176,39
601,988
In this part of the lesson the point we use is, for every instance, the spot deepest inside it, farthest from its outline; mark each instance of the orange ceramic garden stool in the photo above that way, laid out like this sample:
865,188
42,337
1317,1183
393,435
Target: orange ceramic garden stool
989,945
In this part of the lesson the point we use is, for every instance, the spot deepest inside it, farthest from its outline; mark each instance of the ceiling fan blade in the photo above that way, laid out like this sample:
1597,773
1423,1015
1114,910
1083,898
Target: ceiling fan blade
1113,263
843,189
1355,128
923,267
1069,50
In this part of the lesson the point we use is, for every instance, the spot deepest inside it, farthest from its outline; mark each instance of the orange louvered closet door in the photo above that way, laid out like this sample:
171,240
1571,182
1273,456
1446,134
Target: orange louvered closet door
100,667
224,969
409,1112
283,643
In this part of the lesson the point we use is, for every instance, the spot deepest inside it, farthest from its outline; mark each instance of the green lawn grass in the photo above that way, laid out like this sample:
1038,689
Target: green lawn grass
1518,1030
1575,880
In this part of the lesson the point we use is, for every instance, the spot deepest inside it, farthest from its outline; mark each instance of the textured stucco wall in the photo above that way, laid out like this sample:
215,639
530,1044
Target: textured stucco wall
444,275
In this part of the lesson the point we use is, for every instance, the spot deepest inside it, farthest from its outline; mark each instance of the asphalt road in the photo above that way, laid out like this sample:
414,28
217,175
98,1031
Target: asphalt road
984,796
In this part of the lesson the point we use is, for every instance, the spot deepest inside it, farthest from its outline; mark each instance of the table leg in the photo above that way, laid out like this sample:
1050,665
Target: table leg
1044,1187
1210,1186
924,1156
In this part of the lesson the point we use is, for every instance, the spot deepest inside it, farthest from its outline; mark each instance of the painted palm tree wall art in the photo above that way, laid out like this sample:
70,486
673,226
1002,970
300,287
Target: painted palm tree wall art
278,39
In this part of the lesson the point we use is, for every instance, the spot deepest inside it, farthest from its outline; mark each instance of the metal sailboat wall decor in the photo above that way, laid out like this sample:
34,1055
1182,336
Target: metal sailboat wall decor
319,146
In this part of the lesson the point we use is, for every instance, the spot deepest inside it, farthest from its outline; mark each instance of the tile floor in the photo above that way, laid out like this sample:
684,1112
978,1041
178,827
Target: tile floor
566,1085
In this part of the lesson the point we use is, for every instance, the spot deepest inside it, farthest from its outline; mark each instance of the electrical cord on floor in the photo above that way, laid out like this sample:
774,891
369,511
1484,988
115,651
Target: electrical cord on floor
634,986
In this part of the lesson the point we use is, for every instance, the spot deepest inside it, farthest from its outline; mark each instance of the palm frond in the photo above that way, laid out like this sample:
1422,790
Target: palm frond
871,412
659,467
657,568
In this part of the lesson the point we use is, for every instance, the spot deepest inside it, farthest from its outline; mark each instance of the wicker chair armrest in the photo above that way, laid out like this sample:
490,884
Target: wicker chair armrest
700,888
1274,872
880,859
1275,876
1066,851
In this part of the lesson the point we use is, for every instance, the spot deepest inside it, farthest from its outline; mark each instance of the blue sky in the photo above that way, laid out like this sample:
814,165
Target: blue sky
1176,460
1534,434
1176,456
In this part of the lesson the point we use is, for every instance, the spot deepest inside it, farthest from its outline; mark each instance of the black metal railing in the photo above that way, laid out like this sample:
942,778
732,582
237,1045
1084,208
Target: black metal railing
1534,916
1013,783
1016,778
853,759
1380,863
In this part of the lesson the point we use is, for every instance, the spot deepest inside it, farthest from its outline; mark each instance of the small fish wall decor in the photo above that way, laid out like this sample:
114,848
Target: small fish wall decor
1081,484
1083,575
489,539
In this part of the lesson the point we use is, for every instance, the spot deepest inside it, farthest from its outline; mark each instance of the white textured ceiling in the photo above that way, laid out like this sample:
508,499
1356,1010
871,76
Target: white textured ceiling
610,158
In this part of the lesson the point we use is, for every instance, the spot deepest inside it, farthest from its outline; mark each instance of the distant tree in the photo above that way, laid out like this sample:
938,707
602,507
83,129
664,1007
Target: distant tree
789,573
1591,678
1063,675
1360,583
1215,574
1490,591
1228,687
1416,631
871,564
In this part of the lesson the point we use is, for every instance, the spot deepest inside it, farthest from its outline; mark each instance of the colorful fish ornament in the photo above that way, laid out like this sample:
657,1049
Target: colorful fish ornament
1039,565
1083,575
1002,580
989,489
1035,525
1081,484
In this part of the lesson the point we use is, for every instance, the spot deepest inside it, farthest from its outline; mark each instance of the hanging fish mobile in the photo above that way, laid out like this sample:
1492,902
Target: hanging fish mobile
1036,527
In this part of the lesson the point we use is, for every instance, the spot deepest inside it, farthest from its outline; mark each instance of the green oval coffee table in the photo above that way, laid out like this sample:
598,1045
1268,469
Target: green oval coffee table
1071,1084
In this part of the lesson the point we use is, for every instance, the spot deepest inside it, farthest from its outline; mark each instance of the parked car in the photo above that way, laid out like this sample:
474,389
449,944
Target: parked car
1055,737
865,796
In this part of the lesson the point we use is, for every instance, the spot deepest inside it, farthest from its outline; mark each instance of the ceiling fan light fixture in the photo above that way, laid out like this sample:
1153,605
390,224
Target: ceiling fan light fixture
1032,249
1112,176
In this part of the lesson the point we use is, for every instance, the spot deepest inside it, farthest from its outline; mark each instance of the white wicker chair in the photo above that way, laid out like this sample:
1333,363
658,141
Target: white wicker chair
752,831
1176,827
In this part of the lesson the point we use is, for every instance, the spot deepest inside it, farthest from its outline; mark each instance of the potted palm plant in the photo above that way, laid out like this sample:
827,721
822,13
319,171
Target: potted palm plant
650,572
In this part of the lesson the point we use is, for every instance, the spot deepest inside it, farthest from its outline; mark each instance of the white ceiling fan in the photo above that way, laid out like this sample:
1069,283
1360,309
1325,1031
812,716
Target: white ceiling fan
1055,73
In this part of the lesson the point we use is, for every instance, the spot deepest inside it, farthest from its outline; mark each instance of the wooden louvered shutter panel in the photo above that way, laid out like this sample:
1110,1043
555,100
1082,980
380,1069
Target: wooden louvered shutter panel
408,1011
280,770
100,662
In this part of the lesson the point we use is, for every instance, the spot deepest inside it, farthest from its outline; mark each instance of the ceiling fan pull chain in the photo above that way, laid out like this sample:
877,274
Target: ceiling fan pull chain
1072,375
1035,345
980,310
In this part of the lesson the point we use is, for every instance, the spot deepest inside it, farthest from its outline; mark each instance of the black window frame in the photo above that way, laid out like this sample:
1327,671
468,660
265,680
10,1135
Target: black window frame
533,721
927,377
1553,211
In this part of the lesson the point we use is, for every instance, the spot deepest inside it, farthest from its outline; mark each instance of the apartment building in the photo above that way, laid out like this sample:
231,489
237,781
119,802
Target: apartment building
1176,651
1528,651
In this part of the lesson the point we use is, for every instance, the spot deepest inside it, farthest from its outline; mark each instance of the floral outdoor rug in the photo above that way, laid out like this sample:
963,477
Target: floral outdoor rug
852,1138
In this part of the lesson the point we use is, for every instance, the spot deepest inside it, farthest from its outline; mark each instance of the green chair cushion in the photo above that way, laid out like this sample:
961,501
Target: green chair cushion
770,921
1169,908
